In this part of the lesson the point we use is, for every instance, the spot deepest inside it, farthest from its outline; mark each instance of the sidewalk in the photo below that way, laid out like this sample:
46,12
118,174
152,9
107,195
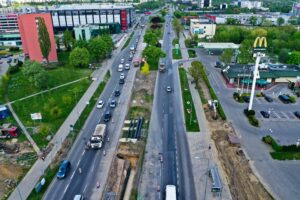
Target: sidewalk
28,183
202,157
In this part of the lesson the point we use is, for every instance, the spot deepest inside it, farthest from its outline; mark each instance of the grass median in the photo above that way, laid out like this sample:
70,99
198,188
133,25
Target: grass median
51,171
176,54
191,121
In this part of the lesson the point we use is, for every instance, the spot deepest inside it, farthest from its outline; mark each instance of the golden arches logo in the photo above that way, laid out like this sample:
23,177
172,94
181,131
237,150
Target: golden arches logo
260,42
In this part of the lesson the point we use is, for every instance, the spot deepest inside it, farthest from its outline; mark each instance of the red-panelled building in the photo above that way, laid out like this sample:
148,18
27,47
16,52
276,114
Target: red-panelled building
29,35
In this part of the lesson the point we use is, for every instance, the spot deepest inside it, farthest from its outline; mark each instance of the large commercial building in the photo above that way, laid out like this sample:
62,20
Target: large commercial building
28,27
69,16
205,3
9,30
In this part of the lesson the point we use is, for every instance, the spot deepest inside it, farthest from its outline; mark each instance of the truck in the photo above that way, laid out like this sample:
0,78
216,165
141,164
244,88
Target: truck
170,192
97,139
162,66
8,131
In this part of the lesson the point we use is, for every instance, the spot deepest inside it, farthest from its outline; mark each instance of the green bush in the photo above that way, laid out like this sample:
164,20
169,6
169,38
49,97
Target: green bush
249,112
269,140
192,53
175,41
176,55
253,121
12,49
292,99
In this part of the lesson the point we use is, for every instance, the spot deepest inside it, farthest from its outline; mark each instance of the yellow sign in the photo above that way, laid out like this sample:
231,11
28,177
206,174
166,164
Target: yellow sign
260,42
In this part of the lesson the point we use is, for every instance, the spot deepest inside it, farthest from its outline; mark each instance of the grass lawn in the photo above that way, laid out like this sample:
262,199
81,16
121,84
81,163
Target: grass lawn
19,86
192,53
175,41
54,106
191,121
175,55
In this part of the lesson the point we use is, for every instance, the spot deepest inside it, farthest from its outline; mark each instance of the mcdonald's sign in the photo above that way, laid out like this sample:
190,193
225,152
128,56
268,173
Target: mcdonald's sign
260,43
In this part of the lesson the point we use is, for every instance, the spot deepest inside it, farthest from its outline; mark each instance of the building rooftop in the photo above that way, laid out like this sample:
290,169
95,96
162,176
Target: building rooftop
224,45
88,7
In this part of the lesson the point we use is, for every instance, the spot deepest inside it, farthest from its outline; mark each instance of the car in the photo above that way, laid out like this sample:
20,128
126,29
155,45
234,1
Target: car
246,99
107,116
117,93
122,76
9,60
130,59
63,169
132,48
268,98
100,104
127,66
169,89
113,103
122,61
121,81
265,114
297,114
78,197
120,68
284,98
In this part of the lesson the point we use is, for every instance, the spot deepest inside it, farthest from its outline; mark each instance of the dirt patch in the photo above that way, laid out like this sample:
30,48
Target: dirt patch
243,184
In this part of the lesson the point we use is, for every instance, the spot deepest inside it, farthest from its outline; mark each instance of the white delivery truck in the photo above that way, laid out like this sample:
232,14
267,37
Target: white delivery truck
97,139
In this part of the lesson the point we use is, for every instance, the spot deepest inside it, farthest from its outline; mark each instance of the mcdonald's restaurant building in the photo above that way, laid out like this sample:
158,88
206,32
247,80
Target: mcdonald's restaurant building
268,74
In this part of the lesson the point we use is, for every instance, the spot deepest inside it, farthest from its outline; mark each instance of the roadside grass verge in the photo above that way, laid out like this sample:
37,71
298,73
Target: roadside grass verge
192,53
282,152
51,171
211,90
54,107
175,41
128,41
176,54
191,121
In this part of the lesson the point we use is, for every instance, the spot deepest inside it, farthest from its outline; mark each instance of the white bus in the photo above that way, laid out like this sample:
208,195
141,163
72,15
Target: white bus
170,192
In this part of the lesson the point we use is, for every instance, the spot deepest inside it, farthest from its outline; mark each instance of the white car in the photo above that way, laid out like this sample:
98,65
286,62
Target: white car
100,104
122,60
169,89
127,66
122,76
120,68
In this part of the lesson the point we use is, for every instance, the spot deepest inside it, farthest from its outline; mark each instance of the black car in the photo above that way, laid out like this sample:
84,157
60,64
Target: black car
107,116
284,98
297,114
121,81
117,93
265,114
268,99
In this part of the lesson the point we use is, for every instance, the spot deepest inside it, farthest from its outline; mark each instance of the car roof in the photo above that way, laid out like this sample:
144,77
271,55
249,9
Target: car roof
64,163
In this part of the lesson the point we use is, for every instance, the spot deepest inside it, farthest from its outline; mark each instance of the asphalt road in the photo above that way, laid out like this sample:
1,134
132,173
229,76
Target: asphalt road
88,160
176,167
282,177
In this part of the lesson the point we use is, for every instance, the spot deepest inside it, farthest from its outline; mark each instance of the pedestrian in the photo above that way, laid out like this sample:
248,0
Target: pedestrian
43,158
209,147
108,139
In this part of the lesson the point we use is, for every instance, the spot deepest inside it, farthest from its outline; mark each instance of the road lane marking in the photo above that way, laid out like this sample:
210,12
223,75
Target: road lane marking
66,189
73,174
85,188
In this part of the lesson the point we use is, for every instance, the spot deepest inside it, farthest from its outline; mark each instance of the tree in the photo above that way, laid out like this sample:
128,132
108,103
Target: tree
98,48
259,32
57,43
79,57
152,55
36,74
266,23
55,112
283,55
81,44
44,38
150,38
68,39
163,12
280,21
294,58
145,69
195,72
110,43
178,14
253,20
226,56
41,79
232,21
177,26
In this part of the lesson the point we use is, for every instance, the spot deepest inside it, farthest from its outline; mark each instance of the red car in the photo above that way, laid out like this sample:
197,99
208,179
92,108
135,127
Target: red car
148,13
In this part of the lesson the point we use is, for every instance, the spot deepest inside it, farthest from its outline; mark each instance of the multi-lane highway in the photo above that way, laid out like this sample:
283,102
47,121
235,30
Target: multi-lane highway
88,160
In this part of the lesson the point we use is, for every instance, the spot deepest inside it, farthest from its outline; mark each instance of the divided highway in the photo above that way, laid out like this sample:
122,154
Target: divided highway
88,160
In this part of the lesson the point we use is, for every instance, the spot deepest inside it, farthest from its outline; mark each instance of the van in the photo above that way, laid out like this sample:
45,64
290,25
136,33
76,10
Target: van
120,68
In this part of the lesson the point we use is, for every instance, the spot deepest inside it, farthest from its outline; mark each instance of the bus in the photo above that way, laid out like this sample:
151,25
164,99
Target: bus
170,192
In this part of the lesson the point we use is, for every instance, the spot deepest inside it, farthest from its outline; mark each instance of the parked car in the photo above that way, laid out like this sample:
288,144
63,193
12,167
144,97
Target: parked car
122,76
113,103
63,169
121,81
268,98
127,66
284,98
169,89
107,116
100,104
246,99
265,114
122,61
297,114
117,93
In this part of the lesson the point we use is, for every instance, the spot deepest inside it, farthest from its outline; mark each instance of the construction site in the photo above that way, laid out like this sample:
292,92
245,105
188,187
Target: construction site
127,165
